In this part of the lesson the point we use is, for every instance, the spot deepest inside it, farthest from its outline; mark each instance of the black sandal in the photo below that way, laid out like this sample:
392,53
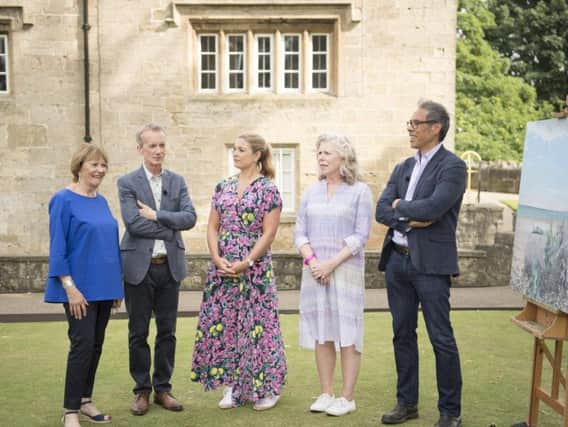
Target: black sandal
96,419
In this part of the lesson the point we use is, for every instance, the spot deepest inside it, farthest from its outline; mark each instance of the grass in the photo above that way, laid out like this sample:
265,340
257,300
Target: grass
496,362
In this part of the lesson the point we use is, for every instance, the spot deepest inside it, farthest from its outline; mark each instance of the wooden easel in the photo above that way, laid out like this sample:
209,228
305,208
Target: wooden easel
546,324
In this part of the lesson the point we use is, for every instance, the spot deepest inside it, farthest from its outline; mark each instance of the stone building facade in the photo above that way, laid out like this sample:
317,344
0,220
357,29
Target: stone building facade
209,70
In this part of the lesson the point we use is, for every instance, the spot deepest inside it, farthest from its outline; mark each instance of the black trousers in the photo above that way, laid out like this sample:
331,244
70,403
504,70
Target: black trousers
406,289
158,293
86,337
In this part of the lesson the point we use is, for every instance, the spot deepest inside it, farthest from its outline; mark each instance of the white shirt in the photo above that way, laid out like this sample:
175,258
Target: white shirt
422,161
155,182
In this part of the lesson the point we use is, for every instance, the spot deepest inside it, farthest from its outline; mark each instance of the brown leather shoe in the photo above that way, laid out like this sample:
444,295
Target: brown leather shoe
167,401
141,403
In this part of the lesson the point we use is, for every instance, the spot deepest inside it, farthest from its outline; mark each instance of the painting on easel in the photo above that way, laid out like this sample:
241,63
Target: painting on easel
540,253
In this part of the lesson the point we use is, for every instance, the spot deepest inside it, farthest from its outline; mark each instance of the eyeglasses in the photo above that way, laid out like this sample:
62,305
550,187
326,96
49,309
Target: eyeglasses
413,124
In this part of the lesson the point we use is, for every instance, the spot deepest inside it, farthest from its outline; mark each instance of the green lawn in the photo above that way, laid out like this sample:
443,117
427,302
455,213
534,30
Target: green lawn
496,361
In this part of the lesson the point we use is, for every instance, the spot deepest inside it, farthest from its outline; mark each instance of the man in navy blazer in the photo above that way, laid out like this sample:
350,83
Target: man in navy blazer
420,205
155,207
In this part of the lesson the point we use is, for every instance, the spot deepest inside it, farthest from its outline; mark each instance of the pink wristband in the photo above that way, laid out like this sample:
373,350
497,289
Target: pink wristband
308,259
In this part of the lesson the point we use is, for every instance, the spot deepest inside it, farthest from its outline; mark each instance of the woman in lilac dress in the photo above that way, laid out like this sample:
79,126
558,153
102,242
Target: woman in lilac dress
332,228
238,342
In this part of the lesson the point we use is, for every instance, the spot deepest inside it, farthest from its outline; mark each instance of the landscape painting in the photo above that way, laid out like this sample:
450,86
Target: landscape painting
540,253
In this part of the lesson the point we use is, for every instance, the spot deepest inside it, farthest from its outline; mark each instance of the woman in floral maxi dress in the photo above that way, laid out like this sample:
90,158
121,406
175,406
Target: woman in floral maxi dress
238,342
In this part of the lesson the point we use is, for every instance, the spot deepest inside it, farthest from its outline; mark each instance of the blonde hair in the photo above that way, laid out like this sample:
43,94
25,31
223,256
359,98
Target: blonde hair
349,169
258,144
85,152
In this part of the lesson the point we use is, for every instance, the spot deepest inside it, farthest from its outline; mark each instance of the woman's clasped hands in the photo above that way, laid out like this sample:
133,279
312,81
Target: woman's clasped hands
321,271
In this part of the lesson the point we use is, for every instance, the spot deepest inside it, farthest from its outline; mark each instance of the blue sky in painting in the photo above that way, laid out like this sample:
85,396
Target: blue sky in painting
544,179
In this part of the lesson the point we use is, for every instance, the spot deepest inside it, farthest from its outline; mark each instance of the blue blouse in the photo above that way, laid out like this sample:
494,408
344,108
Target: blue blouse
83,237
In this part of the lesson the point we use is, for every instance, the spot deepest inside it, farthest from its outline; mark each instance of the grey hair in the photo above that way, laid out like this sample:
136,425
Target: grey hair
150,126
349,169
438,113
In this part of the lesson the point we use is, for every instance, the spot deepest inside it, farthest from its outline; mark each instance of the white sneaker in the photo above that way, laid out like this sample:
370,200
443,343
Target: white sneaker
266,403
227,401
323,402
340,407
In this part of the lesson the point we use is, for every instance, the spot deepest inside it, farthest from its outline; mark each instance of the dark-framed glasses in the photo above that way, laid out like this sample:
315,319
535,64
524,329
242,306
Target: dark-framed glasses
413,124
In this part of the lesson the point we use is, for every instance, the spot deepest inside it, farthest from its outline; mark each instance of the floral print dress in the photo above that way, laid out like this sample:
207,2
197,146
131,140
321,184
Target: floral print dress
238,341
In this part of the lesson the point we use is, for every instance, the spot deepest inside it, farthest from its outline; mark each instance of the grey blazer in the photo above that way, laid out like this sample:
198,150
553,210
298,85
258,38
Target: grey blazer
438,197
175,213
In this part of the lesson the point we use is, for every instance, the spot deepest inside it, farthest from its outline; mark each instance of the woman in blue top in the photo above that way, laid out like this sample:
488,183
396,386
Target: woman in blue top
84,275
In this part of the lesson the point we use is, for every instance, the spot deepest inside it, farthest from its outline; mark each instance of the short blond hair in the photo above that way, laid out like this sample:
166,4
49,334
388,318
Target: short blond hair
349,169
85,152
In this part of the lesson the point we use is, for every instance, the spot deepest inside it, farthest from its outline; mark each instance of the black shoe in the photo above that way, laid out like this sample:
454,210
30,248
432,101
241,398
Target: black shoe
400,414
447,421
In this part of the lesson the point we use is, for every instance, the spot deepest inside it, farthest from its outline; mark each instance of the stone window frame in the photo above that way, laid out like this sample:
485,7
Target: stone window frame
320,71
288,189
235,71
284,71
200,72
256,61
6,55
277,32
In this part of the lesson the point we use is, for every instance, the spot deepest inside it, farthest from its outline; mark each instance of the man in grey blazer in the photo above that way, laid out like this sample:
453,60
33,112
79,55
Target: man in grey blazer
420,205
155,207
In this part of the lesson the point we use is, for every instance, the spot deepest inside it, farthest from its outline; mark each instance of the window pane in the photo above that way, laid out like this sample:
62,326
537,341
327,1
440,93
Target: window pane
286,161
2,64
319,62
264,80
236,62
264,44
316,81
319,43
235,43
208,44
287,181
287,202
3,83
207,81
236,81
291,81
264,62
208,63
291,62
2,45
292,43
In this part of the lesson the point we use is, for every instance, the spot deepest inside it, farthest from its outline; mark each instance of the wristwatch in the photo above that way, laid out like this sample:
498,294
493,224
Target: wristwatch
250,262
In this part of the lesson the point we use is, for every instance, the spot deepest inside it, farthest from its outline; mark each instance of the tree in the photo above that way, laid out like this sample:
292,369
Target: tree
533,34
492,107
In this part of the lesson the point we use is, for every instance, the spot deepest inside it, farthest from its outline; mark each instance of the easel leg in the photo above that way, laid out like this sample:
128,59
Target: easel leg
565,391
536,382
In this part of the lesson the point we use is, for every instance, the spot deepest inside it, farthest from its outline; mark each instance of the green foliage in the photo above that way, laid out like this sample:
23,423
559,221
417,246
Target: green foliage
534,36
492,107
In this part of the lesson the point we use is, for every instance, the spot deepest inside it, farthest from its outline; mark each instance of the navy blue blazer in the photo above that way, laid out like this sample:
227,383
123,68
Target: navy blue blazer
438,197
175,213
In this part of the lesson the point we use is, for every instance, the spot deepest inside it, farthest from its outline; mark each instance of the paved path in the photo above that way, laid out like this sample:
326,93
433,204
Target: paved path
30,306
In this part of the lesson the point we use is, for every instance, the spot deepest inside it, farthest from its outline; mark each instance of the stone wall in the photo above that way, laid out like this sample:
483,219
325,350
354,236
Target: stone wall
497,177
390,54
483,262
